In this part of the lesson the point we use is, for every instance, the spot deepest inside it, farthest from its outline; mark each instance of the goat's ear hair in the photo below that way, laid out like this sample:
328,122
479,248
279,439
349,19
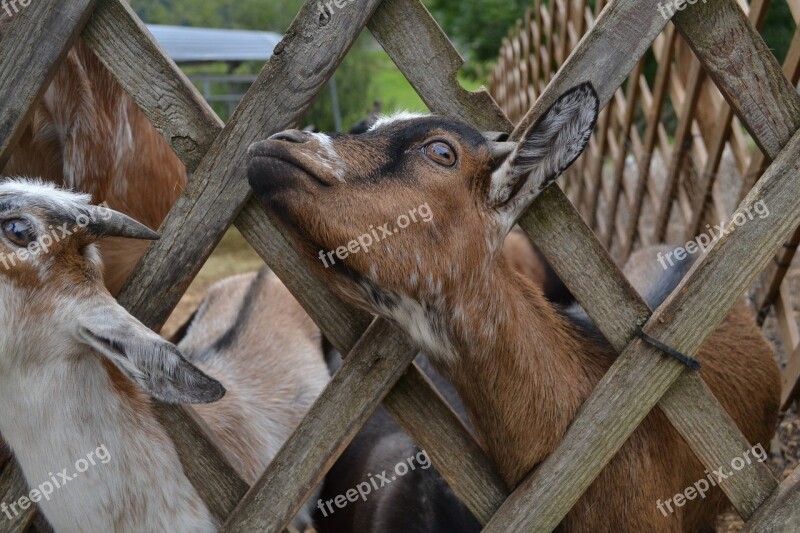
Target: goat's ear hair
548,147
153,363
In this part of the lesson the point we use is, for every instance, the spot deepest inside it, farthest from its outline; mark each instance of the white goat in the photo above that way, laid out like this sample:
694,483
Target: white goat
72,363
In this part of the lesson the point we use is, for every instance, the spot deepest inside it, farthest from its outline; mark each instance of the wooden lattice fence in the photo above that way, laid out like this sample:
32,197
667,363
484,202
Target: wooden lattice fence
654,169
378,366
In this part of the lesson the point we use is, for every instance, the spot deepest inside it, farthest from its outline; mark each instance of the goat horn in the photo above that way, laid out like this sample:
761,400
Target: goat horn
109,223
495,135
501,149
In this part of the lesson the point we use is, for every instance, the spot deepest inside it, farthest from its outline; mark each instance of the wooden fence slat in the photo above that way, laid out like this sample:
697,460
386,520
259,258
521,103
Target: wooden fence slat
435,79
679,149
595,184
298,70
781,512
736,58
703,210
791,378
415,405
767,289
794,6
37,41
785,315
205,461
188,124
651,132
619,160
549,19
179,113
791,69
218,189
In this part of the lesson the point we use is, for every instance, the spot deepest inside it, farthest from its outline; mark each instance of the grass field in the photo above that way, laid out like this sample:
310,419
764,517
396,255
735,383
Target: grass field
390,86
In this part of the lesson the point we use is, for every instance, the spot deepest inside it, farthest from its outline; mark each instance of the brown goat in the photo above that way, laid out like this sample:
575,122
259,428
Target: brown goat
87,134
522,368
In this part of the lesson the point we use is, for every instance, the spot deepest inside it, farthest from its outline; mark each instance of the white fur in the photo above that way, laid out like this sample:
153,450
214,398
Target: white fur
383,120
327,157
73,412
19,188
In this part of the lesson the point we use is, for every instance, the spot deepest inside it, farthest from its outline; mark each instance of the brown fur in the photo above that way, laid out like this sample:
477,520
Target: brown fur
87,134
521,257
522,369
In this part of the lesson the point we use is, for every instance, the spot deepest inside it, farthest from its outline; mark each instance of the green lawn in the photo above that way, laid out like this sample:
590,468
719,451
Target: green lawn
389,86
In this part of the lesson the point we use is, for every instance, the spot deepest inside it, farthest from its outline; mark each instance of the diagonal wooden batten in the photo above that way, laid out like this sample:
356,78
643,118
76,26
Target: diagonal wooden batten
375,364
737,59
413,402
435,79
36,42
781,511
298,70
187,122
769,288
703,210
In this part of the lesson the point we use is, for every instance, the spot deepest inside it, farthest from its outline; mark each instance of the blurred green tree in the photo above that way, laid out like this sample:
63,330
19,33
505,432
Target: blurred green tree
264,15
477,27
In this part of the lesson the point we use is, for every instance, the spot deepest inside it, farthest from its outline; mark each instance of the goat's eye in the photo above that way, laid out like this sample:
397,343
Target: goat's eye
441,153
19,231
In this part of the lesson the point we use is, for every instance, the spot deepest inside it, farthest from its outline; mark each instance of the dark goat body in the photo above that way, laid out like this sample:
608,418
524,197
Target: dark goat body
421,501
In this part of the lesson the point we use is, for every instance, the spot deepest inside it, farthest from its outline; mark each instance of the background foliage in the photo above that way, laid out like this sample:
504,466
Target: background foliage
476,27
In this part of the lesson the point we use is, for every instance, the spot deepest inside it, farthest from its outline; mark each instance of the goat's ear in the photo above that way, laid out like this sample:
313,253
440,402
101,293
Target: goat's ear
151,362
549,146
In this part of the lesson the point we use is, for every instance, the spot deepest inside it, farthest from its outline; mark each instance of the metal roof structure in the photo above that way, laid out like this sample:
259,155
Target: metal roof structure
198,45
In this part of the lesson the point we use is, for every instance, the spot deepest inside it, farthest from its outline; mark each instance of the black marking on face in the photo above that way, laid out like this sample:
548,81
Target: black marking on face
407,135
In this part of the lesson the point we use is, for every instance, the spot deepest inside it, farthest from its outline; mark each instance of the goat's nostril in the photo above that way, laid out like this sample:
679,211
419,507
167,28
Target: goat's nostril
292,136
